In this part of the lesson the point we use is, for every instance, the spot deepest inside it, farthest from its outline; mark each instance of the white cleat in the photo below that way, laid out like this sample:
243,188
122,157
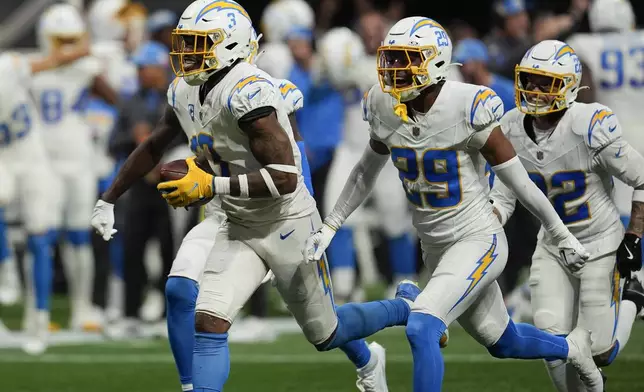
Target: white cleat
37,334
373,377
581,358
10,289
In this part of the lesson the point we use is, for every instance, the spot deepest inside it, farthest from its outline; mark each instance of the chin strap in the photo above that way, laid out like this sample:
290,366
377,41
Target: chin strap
400,110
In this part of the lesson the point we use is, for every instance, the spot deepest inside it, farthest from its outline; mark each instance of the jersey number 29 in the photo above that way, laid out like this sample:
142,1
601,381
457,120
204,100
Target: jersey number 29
439,167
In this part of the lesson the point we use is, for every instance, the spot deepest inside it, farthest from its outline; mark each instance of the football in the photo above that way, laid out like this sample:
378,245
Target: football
175,170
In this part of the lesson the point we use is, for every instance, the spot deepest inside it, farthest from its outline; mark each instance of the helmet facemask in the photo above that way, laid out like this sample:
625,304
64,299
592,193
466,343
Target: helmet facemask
193,55
539,92
402,71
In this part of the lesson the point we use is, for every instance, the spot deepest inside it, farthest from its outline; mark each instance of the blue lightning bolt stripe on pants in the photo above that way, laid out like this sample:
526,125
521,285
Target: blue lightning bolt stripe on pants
470,267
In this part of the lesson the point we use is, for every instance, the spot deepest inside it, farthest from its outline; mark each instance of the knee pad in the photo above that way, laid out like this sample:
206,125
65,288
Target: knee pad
424,329
181,293
79,237
547,321
606,358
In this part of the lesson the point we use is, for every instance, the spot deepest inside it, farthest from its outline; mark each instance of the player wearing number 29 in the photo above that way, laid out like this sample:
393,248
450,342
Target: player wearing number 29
269,211
434,131
60,97
571,150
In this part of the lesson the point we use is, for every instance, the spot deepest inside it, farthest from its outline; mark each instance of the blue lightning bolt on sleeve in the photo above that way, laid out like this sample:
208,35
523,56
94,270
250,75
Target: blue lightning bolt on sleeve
306,169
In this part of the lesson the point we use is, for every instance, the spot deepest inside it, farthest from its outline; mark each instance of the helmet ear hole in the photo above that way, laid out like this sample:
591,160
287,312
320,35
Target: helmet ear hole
231,46
440,64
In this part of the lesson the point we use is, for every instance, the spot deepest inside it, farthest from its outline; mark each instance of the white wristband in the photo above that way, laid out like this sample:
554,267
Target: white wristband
222,185
243,186
638,195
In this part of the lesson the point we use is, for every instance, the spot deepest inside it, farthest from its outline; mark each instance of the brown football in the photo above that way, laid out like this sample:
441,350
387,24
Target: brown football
175,170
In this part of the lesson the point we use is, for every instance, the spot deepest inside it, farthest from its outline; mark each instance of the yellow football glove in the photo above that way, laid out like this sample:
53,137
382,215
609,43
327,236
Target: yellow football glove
194,186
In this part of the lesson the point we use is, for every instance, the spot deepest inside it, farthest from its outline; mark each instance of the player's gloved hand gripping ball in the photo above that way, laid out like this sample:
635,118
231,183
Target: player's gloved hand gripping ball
186,184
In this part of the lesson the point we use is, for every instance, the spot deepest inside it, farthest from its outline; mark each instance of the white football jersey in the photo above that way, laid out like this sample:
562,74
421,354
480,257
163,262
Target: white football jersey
212,128
617,64
61,95
574,166
20,139
438,166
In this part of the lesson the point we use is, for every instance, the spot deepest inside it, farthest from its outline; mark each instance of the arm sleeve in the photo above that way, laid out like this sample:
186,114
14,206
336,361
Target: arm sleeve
621,160
514,175
251,93
357,188
503,200
483,114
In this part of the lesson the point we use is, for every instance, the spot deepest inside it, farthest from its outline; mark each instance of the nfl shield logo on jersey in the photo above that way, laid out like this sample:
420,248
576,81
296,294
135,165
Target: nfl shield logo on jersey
539,155
415,131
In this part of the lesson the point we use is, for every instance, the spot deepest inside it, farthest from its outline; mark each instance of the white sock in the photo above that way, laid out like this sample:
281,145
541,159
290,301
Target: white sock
343,279
72,274
115,298
85,264
627,314
557,372
187,388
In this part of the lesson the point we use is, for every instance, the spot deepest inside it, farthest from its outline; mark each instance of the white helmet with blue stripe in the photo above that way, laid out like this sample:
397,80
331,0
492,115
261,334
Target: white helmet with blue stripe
59,25
211,35
416,53
548,78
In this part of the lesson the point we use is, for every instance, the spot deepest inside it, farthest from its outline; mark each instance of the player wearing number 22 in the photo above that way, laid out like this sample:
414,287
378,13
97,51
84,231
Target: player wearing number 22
571,151
435,131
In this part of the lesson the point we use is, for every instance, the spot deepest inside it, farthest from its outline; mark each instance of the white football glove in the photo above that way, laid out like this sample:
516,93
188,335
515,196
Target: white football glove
103,219
317,243
573,254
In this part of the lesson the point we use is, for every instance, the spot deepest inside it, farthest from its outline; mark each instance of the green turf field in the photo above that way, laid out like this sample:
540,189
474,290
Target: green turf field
290,364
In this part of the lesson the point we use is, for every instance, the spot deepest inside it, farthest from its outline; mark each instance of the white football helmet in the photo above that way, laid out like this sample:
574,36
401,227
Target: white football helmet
611,15
210,36
548,78
109,19
282,18
416,53
340,50
59,25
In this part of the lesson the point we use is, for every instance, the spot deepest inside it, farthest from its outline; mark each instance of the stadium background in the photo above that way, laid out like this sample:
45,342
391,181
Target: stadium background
468,365
479,13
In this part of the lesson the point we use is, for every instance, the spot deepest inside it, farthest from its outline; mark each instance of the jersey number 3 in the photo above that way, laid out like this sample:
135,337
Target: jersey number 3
573,188
439,167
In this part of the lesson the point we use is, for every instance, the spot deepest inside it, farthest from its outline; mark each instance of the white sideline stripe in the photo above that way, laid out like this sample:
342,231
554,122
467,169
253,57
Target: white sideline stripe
77,358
